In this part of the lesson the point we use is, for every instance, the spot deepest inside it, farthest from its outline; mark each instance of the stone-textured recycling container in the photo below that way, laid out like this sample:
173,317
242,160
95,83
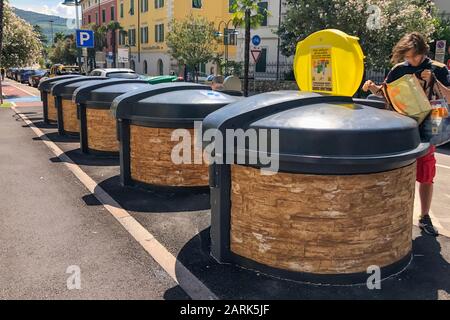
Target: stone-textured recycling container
147,119
48,101
341,200
98,129
67,113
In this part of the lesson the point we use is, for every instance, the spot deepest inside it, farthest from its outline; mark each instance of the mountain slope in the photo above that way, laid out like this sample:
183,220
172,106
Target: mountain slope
43,20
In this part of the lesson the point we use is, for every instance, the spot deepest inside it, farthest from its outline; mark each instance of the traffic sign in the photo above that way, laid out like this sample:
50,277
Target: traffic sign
85,38
440,46
256,40
256,54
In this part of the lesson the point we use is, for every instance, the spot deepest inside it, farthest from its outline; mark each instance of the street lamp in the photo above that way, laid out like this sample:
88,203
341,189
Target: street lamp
226,34
75,3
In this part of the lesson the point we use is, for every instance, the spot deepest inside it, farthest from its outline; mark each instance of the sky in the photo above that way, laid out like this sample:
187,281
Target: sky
52,7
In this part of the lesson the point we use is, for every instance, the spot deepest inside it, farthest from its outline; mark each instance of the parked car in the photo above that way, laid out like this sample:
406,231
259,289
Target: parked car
24,74
115,73
60,69
10,73
15,75
37,75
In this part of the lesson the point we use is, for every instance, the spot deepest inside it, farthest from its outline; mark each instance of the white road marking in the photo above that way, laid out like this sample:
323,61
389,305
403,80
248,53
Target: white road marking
442,166
177,271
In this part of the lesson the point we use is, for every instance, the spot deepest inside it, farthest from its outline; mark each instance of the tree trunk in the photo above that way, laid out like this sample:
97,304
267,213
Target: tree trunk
113,45
247,51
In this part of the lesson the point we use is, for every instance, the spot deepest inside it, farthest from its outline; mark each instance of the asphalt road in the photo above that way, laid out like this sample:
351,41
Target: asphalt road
46,227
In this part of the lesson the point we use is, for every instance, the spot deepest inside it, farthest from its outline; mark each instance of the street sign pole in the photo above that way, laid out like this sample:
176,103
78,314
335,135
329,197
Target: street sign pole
256,55
78,27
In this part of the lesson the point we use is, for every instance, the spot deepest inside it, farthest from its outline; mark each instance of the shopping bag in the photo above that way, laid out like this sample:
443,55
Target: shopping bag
435,129
407,97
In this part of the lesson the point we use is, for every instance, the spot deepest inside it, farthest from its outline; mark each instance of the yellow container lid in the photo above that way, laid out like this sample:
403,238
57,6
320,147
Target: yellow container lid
329,61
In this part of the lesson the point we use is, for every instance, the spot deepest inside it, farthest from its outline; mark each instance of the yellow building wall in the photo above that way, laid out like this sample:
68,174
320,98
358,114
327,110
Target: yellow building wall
214,10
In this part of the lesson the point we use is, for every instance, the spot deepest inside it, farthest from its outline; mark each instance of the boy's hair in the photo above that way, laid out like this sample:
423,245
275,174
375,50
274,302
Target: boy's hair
411,41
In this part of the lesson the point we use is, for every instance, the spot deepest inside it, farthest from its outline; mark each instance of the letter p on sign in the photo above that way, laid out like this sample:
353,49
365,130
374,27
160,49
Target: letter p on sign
85,38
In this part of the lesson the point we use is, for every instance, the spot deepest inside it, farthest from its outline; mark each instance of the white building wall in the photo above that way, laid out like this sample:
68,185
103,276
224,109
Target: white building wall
267,34
443,5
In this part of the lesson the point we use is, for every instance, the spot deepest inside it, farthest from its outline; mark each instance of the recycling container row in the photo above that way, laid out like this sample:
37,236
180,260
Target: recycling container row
67,111
98,129
48,102
341,198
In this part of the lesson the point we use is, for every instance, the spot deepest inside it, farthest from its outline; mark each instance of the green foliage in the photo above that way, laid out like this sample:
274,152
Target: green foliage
192,41
378,31
238,7
42,37
21,45
64,51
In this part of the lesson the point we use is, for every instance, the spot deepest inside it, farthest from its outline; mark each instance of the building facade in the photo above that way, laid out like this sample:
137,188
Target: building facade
100,12
146,23
443,5
271,59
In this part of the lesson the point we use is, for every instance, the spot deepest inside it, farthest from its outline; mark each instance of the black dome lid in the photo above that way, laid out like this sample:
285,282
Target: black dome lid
47,84
170,104
65,88
323,134
103,93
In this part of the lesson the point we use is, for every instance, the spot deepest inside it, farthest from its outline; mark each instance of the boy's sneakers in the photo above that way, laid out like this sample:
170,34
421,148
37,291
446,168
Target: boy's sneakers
426,226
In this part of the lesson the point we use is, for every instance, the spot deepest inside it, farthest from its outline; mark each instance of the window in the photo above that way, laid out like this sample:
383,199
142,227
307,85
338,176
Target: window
144,5
96,18
159,33
113,14
103,15
131,12
159,4
160,67
121,10
263,6
89,19
231,2
132,65
122,35
197,4
132,37
145,67
262,62
144,35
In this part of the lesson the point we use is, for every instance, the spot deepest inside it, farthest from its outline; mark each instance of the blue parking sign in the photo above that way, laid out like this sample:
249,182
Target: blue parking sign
85,38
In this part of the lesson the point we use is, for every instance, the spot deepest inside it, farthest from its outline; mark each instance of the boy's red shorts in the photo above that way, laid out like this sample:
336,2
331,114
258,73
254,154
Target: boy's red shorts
426,167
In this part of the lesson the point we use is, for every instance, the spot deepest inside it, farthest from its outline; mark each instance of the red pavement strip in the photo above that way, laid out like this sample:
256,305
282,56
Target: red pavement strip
12,91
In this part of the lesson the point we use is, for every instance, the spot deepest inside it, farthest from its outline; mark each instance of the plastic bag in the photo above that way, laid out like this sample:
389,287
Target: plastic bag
407,97
435,129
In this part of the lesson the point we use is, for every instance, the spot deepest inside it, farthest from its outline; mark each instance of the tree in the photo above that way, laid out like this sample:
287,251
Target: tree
113,27
21,45
42,37
249,14
378,23
442,31
58,37
192,41
65,51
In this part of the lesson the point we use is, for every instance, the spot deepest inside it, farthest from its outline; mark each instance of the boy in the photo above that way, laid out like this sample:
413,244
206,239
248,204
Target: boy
410,54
